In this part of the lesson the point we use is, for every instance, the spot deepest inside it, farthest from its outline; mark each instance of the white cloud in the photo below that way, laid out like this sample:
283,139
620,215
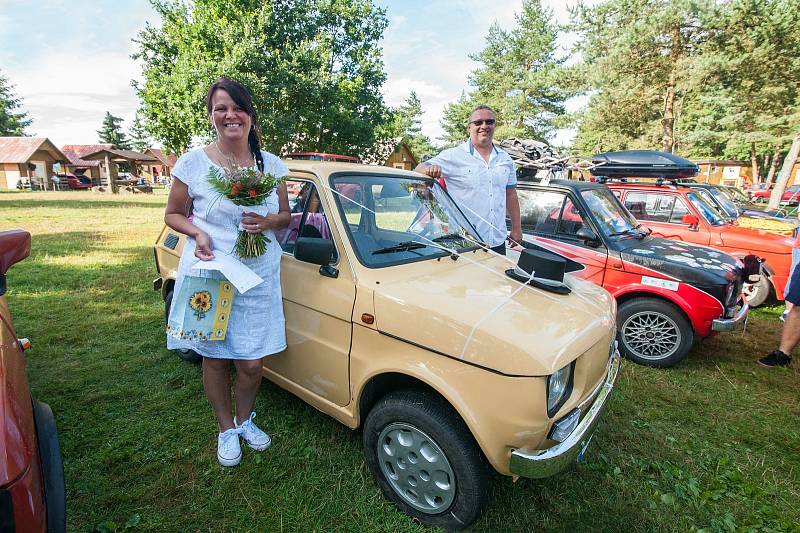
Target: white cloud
67,99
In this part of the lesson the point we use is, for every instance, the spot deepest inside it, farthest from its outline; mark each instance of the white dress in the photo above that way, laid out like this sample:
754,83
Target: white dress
256,327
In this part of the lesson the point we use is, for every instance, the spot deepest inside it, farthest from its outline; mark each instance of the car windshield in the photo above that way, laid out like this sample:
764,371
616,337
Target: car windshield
722,199
395,219
707,209
736,195
611,216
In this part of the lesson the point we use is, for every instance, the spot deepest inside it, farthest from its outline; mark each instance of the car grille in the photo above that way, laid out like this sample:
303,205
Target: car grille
171,241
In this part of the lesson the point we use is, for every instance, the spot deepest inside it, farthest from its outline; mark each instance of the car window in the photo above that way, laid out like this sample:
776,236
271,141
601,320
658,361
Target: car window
679,210
655,207
351,198
307,216
707,209
540,210
571,220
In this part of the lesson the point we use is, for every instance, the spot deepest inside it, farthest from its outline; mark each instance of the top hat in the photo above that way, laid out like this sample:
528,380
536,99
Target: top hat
541,269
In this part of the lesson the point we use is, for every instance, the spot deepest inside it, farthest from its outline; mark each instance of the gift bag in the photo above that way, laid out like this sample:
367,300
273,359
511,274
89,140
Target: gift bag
200,311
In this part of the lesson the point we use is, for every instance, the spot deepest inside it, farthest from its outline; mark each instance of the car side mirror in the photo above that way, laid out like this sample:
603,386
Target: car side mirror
588,236
693,221
318,252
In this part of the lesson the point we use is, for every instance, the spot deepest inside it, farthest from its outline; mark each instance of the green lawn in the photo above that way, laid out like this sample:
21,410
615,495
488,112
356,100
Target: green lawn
713,444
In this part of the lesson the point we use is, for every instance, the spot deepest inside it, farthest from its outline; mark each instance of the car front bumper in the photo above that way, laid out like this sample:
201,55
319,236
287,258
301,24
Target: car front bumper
730,324
545,463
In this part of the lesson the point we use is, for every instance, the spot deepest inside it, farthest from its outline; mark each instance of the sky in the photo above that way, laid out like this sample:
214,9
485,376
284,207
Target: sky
69,60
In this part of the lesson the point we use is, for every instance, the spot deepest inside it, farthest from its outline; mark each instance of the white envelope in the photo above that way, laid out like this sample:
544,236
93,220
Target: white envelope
234,271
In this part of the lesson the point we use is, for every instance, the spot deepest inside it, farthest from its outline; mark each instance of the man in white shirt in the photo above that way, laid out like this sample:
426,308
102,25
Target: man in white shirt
482,180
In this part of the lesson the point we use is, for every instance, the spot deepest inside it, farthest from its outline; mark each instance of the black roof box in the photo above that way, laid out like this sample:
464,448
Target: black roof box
643,163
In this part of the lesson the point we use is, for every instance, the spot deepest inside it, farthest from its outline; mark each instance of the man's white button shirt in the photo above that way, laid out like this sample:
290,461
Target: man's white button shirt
479,187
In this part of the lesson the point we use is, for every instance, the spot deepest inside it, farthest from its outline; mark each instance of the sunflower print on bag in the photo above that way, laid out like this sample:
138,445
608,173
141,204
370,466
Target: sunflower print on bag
201,303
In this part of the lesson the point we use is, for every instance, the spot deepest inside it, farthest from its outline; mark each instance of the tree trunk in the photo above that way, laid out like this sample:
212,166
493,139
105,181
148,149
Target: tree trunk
754,162
668,119
786,172
773,165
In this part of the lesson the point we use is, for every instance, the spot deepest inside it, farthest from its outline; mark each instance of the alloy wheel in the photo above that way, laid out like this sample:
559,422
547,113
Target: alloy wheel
651,335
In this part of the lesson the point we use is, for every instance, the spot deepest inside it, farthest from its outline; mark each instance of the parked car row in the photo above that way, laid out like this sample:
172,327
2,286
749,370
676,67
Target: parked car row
427,341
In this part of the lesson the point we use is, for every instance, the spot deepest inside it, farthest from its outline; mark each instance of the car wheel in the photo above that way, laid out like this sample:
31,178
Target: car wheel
653,332
52,467
757,293
425,460
190,356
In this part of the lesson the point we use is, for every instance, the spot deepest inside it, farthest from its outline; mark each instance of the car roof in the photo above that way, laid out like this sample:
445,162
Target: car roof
325,168
570,184
666,186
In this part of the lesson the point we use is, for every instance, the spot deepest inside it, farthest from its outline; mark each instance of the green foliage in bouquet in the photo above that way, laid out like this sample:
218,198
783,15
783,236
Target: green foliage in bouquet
248,187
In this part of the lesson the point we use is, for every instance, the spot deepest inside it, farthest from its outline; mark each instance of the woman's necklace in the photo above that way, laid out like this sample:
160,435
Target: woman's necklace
232,162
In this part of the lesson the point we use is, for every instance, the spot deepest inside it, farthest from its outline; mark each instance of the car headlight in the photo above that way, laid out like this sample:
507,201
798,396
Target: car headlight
559,387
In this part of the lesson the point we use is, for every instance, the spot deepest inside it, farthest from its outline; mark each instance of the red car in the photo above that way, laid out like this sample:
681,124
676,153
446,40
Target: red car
321,156
682,213
31,472
790,196
668,294
72,181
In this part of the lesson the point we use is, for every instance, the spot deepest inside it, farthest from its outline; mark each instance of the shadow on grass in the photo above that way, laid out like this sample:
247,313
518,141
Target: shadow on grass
89,203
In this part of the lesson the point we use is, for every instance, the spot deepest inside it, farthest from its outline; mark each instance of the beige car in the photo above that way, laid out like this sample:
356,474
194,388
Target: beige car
398,322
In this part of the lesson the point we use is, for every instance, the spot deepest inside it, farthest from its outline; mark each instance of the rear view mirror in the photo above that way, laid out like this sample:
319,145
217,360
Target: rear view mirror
588,236
690,220
313,250
15,245
318,252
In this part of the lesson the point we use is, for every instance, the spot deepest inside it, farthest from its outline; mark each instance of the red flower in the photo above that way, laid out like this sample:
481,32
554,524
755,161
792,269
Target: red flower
236,189
252,193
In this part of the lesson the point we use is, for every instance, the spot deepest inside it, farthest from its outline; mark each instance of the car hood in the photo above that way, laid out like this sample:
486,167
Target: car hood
755,240
696,265
487,319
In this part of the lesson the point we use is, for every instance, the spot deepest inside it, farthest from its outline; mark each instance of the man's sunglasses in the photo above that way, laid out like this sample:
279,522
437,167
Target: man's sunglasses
481,122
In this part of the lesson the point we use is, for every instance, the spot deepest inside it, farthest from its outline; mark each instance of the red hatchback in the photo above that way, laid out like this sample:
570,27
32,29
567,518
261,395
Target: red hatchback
31,472
791,195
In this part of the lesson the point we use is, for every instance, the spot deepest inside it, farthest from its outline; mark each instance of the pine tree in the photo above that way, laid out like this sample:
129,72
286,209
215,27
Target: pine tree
520,77
140,139
407,123
12,122
111,132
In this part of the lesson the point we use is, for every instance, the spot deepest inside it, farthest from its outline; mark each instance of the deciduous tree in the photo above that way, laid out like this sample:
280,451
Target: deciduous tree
314,68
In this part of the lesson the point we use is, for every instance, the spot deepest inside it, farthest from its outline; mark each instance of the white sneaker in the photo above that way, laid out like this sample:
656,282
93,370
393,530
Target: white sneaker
253,435
229,451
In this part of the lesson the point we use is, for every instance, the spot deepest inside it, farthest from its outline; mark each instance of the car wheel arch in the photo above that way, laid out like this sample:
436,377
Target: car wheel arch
381,384
680,304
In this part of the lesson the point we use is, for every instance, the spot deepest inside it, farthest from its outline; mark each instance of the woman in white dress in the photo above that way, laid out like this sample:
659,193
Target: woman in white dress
256,327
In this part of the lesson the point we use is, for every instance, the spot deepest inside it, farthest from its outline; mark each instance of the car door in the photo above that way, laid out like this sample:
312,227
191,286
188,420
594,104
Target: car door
318,308
664,213
551,219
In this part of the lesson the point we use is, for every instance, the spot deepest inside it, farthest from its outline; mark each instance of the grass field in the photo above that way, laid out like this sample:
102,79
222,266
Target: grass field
711,445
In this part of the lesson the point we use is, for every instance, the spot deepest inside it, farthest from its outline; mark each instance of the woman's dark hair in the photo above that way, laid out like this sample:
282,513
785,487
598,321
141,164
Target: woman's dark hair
241,95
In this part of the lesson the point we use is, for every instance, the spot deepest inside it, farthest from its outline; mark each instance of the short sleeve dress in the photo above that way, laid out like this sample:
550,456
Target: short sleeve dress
256,327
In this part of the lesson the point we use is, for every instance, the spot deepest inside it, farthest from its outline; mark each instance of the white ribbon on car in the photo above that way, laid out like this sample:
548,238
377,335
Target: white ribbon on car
507,299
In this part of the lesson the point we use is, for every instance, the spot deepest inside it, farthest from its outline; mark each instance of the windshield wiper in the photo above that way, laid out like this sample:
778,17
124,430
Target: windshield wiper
404,246
449,237
636,232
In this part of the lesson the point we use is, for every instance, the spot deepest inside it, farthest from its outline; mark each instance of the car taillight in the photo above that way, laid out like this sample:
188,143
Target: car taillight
6,512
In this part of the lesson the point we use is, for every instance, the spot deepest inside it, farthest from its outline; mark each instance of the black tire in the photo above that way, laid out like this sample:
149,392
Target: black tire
758,293
190,356
672,334
52,467
437,422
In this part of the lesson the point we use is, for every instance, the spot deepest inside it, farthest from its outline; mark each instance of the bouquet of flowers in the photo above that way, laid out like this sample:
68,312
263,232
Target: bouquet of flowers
245,187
